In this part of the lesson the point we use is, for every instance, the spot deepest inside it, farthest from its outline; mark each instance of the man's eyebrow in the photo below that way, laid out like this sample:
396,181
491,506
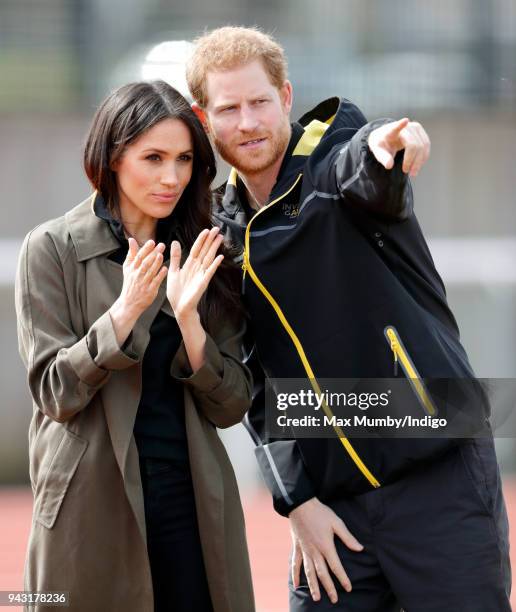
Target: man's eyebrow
225,105
258,96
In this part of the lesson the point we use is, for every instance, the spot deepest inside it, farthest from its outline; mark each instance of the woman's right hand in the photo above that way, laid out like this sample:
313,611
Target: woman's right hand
143,275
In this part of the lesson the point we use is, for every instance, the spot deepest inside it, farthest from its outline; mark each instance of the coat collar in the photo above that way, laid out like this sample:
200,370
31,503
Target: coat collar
91,235
95,232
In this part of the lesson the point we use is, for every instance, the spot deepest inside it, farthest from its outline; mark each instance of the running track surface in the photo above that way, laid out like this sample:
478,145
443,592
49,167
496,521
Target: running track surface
268,536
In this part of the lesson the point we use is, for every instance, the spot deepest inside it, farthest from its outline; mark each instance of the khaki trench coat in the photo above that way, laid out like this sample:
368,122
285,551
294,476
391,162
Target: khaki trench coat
88,531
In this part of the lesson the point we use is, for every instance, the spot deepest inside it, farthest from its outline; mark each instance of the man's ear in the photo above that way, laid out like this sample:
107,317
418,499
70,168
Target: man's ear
201,115
287,95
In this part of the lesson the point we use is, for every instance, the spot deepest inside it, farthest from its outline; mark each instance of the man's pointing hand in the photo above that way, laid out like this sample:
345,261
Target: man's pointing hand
387,140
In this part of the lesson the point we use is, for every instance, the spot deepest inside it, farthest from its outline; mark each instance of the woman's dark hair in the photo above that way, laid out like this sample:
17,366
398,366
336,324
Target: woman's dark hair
123,117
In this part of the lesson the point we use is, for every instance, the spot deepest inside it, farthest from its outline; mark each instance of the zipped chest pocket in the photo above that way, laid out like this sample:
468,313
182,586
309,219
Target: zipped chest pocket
402,358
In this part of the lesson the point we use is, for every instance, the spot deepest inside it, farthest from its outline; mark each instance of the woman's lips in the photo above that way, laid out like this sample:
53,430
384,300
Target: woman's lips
164,197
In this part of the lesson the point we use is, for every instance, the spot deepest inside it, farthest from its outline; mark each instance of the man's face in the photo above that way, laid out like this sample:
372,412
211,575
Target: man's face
248,117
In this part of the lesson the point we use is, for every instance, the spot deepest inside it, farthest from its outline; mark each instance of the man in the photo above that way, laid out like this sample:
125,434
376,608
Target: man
334,260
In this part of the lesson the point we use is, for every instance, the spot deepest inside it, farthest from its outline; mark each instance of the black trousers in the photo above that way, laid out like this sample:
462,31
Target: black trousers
177,566
435,541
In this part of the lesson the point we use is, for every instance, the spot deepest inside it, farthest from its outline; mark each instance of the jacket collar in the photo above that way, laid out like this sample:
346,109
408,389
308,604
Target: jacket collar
91,235
336,113
318,124
233,192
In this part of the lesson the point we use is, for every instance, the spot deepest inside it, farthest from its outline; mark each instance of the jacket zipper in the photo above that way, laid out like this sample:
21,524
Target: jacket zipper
246,266
245,262
402,357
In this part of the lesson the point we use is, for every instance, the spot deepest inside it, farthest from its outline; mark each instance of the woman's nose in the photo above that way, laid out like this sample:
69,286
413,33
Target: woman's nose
169,175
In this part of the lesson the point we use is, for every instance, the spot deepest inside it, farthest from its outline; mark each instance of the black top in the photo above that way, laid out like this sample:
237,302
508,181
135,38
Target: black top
159,428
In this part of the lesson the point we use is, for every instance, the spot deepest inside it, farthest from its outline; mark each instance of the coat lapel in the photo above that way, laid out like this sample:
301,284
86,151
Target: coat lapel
121,397
93,242
209,494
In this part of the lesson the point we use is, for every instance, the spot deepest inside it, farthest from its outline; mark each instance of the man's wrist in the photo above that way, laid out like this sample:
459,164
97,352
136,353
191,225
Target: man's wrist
309,501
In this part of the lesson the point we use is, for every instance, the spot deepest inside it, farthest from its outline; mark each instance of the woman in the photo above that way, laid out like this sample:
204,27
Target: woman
131,365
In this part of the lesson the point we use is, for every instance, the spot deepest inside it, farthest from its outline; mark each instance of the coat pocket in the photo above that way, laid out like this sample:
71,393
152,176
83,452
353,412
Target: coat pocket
60,473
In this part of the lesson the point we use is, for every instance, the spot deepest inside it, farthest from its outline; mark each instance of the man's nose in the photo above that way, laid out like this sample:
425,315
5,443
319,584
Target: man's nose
248,122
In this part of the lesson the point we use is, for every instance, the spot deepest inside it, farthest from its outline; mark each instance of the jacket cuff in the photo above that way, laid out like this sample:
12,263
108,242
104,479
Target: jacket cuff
208,377
362,180
98,352
285,475
367,156
285,509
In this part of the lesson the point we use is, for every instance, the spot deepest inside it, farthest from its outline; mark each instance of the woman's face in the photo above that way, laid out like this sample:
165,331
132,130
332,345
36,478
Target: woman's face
154,170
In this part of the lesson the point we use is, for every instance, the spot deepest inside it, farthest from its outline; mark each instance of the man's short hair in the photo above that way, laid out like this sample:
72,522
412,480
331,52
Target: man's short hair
229,47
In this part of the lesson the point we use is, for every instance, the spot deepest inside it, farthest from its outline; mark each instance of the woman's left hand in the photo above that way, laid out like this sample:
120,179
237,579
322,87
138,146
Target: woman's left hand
185,285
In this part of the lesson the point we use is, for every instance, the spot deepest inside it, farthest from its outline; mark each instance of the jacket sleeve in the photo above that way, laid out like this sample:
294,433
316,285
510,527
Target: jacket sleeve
364,182
64,370
222,386
280,461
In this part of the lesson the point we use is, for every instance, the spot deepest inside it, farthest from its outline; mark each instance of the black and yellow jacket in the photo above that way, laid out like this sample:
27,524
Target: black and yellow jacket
339,283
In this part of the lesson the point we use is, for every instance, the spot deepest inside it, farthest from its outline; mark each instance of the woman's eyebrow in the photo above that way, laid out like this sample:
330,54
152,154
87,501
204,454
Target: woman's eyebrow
162,151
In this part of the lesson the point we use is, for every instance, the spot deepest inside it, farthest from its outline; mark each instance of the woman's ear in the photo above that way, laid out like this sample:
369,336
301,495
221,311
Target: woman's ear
201,115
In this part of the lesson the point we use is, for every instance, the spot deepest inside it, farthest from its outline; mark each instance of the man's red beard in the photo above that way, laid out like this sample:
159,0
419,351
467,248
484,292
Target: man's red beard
245,163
